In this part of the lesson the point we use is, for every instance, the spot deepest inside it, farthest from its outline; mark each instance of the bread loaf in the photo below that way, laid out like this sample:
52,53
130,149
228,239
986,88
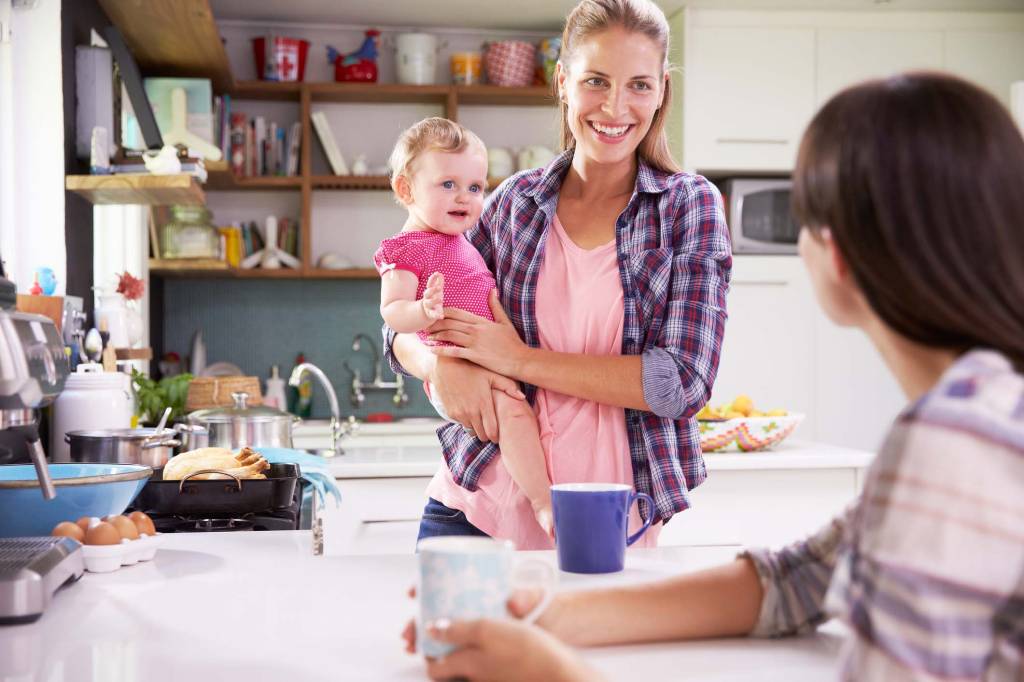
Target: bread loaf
246,464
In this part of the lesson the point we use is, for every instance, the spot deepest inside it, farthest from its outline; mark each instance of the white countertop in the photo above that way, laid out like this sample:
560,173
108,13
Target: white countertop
260,606
423,459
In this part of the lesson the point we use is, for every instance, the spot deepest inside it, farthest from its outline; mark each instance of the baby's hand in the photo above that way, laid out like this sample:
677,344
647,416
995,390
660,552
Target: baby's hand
545,517
433,297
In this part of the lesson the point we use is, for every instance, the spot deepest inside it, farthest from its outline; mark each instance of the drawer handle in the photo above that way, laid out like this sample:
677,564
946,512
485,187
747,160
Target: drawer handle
750,140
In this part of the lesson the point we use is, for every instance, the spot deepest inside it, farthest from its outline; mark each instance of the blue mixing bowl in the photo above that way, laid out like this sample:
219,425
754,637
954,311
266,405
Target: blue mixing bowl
82,490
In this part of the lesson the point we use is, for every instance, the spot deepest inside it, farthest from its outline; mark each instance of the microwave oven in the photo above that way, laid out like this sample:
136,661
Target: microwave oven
759,215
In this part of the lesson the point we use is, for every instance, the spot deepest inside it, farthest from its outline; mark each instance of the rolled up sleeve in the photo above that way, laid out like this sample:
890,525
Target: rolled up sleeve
679,370
389,335
795,580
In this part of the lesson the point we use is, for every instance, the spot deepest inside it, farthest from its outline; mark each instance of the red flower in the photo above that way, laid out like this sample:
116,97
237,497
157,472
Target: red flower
131,287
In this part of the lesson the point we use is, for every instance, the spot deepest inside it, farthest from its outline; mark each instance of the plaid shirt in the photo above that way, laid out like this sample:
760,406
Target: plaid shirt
674,264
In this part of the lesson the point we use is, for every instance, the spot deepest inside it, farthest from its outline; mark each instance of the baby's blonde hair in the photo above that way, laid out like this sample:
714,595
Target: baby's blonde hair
430,134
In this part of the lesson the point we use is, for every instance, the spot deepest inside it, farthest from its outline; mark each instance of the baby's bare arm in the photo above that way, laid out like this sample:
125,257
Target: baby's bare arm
398,304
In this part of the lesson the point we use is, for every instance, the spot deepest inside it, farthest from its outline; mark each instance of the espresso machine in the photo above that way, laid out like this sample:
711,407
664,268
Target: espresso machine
33,369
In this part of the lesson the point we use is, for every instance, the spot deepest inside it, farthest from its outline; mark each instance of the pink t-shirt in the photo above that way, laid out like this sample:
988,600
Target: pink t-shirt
583,441
467,281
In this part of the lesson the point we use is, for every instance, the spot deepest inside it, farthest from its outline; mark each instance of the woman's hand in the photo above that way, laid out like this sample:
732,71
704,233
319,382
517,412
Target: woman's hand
519,605
494,345
465,390
504,650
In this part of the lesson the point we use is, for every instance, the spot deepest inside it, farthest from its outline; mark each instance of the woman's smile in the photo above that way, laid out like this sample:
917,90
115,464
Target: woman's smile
611,133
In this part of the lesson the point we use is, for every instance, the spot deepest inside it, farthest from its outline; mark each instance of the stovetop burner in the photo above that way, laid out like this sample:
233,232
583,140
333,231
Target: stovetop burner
213,525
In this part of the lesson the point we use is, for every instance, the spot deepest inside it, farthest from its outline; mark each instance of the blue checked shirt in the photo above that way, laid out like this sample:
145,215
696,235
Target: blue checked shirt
674,264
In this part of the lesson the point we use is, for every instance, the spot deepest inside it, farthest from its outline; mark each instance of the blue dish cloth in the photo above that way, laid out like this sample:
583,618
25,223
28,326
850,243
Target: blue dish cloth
314,469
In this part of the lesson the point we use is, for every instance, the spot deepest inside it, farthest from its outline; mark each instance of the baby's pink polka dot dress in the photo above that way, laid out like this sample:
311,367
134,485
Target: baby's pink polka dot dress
467,281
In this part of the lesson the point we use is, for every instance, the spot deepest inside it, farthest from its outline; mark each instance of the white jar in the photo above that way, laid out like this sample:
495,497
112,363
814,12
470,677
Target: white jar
91,399
416,58
112,313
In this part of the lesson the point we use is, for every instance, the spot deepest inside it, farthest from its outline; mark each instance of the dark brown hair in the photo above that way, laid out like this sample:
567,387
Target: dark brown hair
920,179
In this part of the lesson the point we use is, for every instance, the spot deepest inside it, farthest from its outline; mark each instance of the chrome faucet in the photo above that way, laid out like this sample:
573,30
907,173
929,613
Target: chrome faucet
357,396
339,428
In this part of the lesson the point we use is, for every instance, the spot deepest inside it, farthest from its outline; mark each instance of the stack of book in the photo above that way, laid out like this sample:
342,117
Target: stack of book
244,239
255,146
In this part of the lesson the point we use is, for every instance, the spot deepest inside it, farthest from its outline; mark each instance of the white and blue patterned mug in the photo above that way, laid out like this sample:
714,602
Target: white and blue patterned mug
465,578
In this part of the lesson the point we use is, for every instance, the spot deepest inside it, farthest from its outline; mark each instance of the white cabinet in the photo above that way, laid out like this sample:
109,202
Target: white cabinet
768,350
748,93
992,59
377,515
847,56
761,508
753,79
856,397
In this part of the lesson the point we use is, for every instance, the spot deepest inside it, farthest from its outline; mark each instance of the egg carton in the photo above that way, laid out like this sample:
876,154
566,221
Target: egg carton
107,558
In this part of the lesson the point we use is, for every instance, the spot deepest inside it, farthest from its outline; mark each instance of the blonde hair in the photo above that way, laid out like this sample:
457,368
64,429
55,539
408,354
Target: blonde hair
635,16
430,134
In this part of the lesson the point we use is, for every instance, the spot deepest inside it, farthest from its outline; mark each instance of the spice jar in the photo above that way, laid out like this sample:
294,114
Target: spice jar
190,233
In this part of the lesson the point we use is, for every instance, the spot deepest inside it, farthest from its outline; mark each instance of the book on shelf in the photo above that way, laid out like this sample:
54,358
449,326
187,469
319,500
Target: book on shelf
294,147
258,147
330,146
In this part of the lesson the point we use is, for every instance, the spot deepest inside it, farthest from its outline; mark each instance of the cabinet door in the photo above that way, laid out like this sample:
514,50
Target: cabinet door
767,508
846,57
992,59
749,94
769,338
857,396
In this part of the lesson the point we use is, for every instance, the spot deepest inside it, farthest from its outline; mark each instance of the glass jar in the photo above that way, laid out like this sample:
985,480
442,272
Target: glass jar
190,233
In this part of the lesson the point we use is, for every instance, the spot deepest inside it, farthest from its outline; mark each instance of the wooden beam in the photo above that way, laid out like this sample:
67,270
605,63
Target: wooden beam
173,38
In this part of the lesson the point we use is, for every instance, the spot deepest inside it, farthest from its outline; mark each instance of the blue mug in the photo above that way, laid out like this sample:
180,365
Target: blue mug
591,522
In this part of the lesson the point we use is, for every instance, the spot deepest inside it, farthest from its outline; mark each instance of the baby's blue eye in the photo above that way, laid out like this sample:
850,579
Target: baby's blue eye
474,188
448,184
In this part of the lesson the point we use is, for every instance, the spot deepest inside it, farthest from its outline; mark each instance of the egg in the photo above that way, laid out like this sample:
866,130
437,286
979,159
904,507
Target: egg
124,526
68,530
86,521
143,523
102,533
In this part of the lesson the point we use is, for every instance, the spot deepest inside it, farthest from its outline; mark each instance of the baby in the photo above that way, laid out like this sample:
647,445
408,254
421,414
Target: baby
439,173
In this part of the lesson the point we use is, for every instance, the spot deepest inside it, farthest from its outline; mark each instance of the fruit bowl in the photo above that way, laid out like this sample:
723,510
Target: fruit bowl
746,434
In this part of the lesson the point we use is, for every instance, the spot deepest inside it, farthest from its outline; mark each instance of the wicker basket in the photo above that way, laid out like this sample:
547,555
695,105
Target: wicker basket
207,392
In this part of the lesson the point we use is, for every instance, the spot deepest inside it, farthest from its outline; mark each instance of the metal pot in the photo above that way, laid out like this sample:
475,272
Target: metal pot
240,425
122,446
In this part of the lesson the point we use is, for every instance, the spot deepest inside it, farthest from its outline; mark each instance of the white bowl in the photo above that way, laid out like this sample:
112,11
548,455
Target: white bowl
747,434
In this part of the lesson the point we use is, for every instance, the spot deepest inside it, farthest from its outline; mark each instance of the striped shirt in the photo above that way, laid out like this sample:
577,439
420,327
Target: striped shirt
674,263
927,567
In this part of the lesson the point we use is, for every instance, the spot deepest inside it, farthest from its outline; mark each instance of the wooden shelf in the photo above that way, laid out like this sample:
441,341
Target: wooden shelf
134,353
347,273
378,92
267,90
173,38
225,180
151,190
352,182
219,269
496,94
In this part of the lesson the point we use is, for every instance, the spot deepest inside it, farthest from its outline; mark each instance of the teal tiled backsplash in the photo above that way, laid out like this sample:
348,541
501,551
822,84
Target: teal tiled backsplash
259,323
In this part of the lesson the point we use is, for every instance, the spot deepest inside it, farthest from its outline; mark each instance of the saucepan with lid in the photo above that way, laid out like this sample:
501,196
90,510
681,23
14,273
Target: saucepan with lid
240,425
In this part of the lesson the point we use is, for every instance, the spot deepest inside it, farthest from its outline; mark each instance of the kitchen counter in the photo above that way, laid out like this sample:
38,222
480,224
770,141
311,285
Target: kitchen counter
260,606
421,459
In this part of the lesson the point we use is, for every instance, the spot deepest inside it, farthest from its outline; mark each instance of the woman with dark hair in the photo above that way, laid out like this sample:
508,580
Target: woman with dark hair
910,193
